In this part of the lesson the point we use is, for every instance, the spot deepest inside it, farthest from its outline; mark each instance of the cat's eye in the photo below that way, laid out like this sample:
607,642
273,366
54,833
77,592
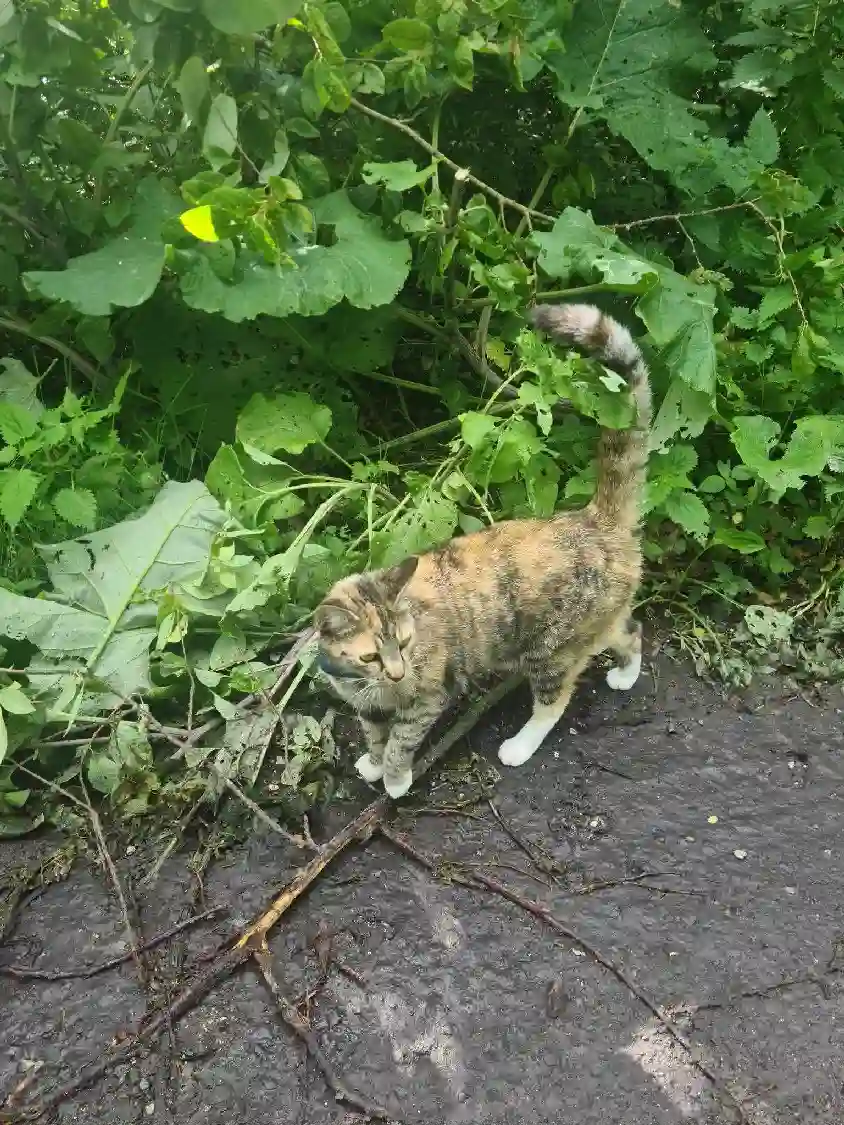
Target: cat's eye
368,657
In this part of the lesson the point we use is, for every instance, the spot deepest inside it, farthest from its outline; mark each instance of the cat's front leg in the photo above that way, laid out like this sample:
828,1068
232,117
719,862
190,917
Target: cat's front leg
406,735
370,765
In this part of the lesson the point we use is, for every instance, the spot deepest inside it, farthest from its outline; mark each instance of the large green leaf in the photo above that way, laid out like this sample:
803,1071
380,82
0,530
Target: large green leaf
813,443
121,274
245,17
620,64
364,267
103,611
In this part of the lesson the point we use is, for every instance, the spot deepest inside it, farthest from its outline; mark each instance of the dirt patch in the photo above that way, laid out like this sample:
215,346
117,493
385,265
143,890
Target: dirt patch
451,1005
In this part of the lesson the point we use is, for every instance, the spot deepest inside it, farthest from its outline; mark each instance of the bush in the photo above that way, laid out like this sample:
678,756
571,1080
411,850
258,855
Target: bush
278,253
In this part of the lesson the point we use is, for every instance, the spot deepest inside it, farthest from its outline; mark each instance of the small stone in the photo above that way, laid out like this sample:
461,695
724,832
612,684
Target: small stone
556,753
689,839
791,765
149,1109
143,1084
712,819
740,853
572,730
131,849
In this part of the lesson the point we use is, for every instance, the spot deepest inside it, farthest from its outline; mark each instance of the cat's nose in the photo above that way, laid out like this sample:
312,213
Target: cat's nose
392,661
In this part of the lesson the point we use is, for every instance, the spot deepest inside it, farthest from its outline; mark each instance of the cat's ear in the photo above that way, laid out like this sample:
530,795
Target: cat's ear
394,580
335,619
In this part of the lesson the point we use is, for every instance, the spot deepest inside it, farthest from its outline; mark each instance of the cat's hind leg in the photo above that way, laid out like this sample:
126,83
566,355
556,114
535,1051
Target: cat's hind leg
552,682
625,642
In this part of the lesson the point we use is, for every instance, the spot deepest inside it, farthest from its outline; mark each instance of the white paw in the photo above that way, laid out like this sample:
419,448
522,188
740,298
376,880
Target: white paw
516,750
370,771
623,678
397,784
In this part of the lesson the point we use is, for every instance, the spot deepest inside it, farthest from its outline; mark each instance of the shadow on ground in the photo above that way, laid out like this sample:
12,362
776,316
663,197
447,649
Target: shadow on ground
455,1006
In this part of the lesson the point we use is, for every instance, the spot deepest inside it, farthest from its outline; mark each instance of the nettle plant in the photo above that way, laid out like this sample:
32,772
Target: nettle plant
276,254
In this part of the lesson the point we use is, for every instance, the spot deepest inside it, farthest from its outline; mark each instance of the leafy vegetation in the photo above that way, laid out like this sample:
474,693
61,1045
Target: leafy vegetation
263,265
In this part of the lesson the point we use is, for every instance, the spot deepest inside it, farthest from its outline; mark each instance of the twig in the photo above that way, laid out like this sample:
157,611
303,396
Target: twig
537,910
264,817
502,200
79,362
22,972
543,863
231,958
135,946
678,216
370,1109
285,668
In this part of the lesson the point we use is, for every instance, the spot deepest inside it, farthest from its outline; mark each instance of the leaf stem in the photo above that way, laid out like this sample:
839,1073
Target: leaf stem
432,150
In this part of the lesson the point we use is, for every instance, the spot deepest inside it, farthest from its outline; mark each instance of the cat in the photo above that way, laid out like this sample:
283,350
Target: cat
542,596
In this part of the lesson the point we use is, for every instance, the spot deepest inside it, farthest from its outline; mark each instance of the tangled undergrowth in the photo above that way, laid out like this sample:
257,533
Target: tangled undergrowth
263,268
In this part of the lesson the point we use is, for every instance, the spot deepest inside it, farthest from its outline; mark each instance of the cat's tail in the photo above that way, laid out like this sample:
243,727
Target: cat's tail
622,456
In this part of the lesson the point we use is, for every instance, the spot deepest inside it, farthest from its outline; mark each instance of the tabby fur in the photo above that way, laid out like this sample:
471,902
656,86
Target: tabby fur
538,595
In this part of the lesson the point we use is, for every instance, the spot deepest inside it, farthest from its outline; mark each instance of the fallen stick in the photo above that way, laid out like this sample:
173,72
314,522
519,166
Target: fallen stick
253,939
371,1110
22,972
479,880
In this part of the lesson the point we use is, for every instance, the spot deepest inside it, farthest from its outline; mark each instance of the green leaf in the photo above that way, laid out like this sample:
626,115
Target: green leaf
7,12
220,138
363,267
245,17
813,443
621,65
475,428
745,542
407,34
20,388
289,422
17,491
16,422
125,271
399,176
431,521
14,700
194,87
78,506
690,512
775,301
199,222
4,738
102,610
762,143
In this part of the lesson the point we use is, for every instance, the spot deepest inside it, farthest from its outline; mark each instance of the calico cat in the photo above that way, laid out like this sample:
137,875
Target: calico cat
539,595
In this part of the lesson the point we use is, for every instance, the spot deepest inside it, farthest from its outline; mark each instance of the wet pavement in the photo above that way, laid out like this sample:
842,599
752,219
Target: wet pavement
449,1005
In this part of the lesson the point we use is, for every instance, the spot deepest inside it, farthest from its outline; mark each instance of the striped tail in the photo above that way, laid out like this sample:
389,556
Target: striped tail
622,455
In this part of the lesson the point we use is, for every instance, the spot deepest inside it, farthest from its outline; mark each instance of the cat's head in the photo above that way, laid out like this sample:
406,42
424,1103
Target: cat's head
365,627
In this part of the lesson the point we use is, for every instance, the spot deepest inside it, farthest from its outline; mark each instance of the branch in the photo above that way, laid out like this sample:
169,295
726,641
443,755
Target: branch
287,1011
678,216
502,200
22,972
79,362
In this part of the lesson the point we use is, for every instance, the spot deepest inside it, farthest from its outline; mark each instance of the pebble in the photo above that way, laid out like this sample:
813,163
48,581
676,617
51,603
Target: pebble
740,853
149,1109
712,820
143,1084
